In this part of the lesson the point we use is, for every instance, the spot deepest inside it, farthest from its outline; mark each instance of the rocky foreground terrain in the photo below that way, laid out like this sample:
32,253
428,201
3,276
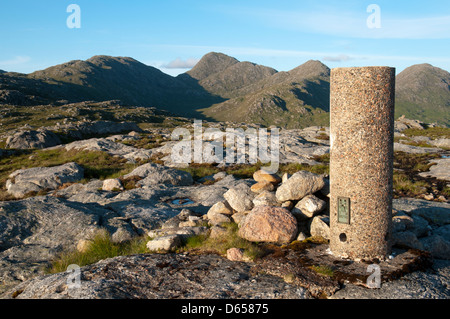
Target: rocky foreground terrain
278,223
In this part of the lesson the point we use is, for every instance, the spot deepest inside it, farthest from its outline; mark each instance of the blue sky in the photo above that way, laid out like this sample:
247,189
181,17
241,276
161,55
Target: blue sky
174,35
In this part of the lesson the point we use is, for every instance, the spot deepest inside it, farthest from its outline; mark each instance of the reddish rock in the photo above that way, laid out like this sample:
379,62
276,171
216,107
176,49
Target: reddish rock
235,254
269,224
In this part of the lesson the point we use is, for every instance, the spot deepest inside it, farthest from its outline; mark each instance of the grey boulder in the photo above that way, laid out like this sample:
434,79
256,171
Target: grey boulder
299,185
35,179
153,174
32,139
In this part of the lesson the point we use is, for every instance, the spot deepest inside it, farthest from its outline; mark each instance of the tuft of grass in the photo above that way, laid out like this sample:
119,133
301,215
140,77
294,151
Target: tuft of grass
407,186
446,191
101,247
413,162
200,170
146,142
130,182
323,137
244,170
431,132
323,270
292,168
325,158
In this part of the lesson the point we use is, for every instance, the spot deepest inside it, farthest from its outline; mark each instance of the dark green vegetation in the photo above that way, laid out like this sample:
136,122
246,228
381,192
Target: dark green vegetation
407,182
431,132
219,87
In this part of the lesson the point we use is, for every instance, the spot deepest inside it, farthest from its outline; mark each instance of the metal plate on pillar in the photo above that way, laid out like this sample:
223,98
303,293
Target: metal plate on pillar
343,210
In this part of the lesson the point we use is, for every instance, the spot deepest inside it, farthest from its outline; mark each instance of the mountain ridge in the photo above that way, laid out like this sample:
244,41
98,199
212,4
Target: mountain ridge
221,88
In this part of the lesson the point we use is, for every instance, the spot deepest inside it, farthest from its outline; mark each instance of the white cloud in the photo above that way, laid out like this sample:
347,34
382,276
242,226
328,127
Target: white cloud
338,58
16,61
181,64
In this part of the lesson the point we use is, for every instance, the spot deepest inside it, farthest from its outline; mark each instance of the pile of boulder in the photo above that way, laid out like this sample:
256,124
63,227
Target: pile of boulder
273,209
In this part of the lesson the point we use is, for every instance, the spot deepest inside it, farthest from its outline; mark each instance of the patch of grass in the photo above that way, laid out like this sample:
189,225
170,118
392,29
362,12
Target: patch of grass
323,270
404,185
157,158
323,137
431,132
408,182
446,191
12,116
325,158
220,245
413,162
292,168
244,170
101,247
146,142
130,182
423,167
200,170
407,141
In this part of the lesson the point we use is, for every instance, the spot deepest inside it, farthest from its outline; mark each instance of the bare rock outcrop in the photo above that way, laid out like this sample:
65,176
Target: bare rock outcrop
37,179
32,139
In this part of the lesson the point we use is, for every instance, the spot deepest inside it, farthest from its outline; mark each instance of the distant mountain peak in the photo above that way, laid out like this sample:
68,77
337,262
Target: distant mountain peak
418,76
211,63
97,59
423,93
310,69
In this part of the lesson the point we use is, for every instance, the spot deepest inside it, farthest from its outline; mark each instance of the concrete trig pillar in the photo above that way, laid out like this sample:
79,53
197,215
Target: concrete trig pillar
361,163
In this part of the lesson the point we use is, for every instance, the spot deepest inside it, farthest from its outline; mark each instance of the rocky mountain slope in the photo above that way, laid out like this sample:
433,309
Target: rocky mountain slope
293,99
103,78
222,75
423,92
